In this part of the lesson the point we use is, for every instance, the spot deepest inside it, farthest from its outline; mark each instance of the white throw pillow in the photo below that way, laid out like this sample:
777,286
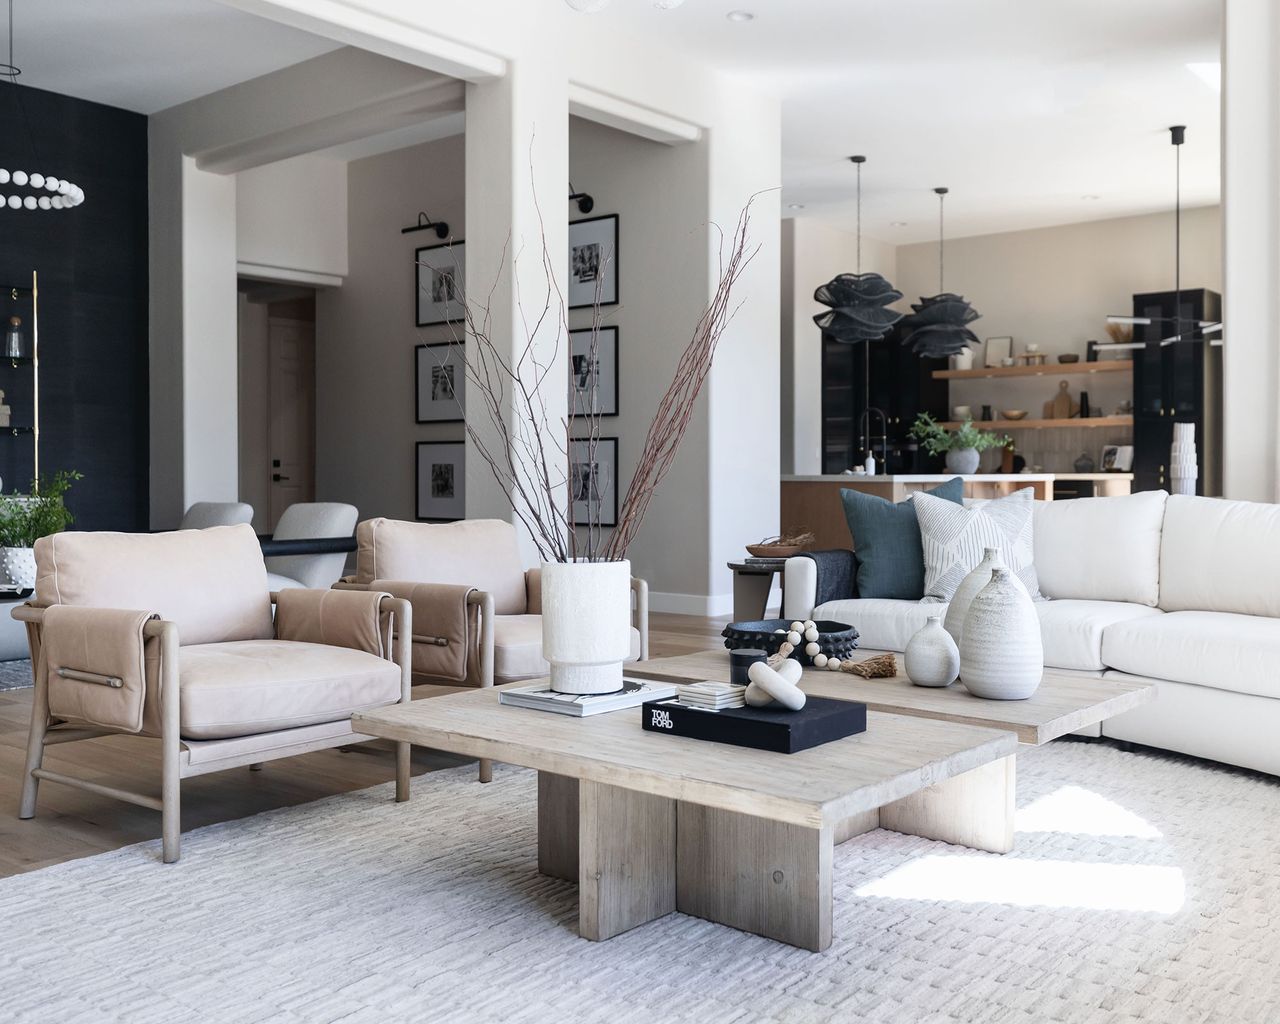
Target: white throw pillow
953,539
1101,549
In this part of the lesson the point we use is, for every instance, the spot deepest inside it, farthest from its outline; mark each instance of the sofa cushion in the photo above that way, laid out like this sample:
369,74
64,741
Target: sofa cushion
886,541
212,583
517,648
1072,630
954,538
882,624
480,553
1220,556
1101,549
1221,650
252,686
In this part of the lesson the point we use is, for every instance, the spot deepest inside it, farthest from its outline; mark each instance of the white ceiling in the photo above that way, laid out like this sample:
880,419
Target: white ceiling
147,55
1020,107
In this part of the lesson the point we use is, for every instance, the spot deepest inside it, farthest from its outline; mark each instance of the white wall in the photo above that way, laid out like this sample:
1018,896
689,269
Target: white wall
291,218
365,333
254,410
814,252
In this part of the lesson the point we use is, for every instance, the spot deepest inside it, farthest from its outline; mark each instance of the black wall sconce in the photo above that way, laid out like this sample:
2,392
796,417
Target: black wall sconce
585,203
440,227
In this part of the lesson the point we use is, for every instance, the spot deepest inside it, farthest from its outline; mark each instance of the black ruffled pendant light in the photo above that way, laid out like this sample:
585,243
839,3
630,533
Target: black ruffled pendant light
939,325
859,302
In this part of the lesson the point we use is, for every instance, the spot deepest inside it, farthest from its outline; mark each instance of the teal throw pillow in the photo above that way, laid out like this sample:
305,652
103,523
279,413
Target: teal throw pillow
886,541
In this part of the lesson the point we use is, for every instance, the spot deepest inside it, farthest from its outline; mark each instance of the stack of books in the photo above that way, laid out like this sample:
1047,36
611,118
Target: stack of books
541,697
709,696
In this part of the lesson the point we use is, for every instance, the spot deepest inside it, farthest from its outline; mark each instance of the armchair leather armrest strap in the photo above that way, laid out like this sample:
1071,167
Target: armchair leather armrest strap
339,618
445,623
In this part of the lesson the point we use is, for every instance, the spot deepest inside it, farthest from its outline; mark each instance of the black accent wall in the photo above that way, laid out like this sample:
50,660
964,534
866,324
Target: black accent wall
92,263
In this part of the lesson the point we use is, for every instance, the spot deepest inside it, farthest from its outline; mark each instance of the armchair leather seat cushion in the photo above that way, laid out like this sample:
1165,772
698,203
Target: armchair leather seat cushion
1220,650
517,648
252,686
1072,631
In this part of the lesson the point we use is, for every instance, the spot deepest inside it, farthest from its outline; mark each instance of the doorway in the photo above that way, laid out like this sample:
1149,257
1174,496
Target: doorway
277,394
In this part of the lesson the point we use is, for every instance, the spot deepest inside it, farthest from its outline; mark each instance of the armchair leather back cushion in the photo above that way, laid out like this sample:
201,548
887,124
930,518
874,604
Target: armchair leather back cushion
479,553
212,583
1101,549
1220,556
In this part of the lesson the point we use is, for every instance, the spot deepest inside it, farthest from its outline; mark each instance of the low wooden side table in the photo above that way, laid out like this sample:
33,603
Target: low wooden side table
752,581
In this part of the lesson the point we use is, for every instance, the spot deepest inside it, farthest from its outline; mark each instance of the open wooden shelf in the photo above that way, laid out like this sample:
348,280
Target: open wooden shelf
1092,421
1047,370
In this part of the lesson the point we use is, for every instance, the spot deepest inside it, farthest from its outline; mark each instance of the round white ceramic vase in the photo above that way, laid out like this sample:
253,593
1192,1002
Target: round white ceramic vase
963,461
931,657
586,624
968,590
17,568
1001,652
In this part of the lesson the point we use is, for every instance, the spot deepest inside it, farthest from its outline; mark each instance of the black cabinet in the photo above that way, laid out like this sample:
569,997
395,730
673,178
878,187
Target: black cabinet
902,386
1176,383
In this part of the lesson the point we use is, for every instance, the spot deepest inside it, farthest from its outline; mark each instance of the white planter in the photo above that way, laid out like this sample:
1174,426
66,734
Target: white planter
1001,652
931,657
963,461
586,624
17,569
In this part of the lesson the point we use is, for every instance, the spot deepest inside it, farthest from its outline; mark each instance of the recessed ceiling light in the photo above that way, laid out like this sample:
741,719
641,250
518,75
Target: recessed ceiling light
740,16
897,223
1090,198
795,206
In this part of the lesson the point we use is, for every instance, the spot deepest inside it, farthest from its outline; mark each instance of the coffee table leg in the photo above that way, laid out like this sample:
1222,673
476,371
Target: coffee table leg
766,877
974,809
558,826
626,859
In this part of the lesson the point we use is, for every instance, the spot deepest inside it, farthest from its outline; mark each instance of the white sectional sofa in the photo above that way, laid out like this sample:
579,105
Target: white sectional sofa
1181,590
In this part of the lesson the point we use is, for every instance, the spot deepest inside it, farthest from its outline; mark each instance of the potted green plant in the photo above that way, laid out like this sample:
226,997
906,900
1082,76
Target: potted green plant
24,519
963,447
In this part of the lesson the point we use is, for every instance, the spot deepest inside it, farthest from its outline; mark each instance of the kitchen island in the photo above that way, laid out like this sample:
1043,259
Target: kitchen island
812,503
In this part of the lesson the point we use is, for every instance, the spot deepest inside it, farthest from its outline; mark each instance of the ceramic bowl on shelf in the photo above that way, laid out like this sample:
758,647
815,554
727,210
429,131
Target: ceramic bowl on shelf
1069,357
1013,414
774,550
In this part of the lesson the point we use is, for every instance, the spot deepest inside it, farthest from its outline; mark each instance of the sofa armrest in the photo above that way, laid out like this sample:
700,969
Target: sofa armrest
533,591
337,618
814,578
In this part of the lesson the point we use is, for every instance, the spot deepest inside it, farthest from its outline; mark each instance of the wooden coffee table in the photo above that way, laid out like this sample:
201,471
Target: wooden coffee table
648,824
1064,703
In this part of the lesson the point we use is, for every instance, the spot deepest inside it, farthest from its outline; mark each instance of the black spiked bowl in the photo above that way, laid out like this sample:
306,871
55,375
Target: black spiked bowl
835,639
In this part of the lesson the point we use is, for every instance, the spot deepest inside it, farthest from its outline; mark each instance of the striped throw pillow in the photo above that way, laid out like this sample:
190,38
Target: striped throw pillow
953,538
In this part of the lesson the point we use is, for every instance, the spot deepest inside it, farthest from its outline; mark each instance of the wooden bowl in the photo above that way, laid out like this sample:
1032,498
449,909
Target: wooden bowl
774,550
1069,357
1014,414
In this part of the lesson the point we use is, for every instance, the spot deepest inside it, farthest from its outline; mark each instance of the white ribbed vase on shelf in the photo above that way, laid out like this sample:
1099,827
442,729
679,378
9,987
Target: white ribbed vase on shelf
1001,652
586,624
17,568
931,657
968,590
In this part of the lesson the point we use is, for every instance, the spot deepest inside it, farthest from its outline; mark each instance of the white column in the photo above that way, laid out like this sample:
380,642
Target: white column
1251,248
517,181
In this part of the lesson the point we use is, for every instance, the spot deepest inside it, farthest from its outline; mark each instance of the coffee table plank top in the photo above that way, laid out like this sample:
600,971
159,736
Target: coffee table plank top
896,757
1064,702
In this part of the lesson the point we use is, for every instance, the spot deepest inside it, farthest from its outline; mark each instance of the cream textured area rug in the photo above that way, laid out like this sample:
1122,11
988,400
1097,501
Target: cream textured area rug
1143,888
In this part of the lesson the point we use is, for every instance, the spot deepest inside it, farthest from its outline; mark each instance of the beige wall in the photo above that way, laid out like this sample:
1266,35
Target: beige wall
365,332
291,216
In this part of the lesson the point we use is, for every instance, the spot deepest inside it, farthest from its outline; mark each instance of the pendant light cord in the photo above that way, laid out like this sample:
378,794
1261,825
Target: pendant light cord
1177,236
942,196
859,214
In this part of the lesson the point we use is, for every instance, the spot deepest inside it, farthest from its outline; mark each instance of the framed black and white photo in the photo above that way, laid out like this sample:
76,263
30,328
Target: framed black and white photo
439,280
441,480
593,377
1117,458
593,261
440,394
593,482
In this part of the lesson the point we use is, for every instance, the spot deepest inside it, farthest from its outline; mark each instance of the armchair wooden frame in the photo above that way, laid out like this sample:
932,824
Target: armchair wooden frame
215,755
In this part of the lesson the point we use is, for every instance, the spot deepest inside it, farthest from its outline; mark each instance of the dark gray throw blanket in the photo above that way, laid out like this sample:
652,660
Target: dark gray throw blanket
837,575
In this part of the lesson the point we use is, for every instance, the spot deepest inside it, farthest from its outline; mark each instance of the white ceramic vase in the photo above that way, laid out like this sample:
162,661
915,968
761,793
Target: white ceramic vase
586,624
968,590
1001,652
932,658
17,568
963,461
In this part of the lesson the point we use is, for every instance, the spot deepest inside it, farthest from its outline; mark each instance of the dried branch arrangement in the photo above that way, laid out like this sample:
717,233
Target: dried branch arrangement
530,456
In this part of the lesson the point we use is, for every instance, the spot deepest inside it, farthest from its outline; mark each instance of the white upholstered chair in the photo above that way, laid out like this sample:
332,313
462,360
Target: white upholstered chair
204,514
311,520
171,635
477,611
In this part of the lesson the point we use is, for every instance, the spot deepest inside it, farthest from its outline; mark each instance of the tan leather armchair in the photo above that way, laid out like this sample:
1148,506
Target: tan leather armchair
477,611
172,636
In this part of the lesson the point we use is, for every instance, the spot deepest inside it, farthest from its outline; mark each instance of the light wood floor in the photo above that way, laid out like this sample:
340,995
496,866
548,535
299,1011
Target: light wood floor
71,824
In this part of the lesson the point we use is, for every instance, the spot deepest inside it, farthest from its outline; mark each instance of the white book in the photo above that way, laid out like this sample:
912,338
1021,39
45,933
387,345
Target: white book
541,697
